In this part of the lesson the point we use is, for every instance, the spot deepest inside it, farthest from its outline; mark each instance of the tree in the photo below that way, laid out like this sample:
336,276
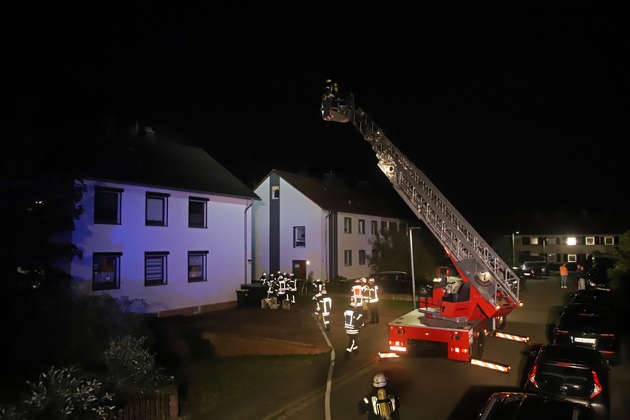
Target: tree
620,274
391,252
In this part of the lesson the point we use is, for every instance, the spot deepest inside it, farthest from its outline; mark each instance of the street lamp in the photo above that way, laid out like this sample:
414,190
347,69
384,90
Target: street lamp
413,274
513,252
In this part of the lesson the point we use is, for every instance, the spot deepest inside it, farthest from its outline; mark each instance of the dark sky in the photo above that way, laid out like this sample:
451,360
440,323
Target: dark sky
507,108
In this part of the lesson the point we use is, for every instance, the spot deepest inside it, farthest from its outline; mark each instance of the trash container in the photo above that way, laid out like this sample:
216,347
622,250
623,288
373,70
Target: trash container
242,298
256,292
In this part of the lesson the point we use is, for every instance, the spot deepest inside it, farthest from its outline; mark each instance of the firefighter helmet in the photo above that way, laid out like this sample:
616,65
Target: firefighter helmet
363,280
379,380
371,280
318,281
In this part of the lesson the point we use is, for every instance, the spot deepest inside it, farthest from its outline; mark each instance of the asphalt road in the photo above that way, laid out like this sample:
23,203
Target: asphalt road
434,387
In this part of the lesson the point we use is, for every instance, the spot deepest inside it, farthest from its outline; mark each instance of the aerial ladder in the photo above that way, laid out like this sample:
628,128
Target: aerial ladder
488,291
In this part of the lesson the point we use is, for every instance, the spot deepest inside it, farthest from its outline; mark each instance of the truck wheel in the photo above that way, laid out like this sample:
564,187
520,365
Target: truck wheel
477,347
500,322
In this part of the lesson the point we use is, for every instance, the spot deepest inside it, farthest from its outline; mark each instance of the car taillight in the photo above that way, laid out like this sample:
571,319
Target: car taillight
597,387
532,376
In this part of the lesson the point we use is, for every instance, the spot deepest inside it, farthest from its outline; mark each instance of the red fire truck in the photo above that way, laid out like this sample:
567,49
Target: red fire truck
465,307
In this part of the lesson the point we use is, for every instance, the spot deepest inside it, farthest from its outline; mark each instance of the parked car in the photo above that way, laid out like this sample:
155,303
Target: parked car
573,373
589,325
398,282
598,296
528,405
534,269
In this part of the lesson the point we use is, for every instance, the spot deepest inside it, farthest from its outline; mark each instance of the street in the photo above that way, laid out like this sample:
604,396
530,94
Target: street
433,387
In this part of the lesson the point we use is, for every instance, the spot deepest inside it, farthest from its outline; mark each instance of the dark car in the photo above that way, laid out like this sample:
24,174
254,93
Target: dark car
398,282
573,373
589,325
598,296
528,405
533,269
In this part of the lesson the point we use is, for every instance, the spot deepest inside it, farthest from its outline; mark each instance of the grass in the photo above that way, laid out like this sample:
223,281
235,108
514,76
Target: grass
218,383
210,385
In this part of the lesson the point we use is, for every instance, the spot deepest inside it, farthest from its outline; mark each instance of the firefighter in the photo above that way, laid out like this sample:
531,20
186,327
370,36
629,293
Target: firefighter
281,288
357,298
380,403
320,290
291,288
353,321
372,299
324,303
271,286
263,278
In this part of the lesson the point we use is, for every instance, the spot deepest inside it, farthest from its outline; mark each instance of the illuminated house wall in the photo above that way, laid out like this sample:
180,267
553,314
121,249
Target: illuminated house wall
324,209
152,255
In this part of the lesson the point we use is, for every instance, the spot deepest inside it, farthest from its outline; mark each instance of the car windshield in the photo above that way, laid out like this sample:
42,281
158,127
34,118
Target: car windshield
570,381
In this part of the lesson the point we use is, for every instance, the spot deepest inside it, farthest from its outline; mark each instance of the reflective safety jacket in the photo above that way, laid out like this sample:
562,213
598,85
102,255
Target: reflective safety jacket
353,321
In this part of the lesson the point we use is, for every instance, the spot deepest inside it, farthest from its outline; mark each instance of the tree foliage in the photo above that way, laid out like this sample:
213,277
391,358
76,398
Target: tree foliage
620,273
391,251
129,374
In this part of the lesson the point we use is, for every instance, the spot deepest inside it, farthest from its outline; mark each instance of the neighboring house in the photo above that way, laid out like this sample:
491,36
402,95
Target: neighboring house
557,248
317,228
165,226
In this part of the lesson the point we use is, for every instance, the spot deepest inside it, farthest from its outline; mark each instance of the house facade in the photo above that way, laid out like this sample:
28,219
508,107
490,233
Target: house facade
557,248
317,228
165,228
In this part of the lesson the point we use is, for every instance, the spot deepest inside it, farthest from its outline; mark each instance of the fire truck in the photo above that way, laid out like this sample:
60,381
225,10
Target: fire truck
464,308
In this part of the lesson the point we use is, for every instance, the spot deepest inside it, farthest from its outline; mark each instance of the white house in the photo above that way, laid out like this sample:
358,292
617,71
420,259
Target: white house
317,228
165,226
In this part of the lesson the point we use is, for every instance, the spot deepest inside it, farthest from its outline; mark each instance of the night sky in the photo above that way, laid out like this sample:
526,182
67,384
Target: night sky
518,108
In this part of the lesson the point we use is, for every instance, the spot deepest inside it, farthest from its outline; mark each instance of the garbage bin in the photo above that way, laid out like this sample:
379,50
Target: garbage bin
242,298
256,292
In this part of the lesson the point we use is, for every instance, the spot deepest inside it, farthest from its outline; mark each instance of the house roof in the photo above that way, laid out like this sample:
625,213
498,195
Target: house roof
162,164
332,193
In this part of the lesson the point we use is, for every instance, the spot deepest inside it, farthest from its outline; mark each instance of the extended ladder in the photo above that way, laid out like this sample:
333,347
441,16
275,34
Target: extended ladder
474,258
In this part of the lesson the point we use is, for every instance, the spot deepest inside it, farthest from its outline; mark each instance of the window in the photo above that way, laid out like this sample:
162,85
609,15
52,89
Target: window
299,236
275,192
107,205
571,258
590,240
347,257
361,257
609,240
347,225
373,227
197,210
383,227
106,270
155,268
156,209
197,266
552,258
571,241
362,226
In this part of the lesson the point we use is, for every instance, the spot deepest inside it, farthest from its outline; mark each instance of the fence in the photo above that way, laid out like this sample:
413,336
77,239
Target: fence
162,407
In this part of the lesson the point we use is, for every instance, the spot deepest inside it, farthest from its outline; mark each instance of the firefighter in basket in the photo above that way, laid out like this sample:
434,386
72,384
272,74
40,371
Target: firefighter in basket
380,403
